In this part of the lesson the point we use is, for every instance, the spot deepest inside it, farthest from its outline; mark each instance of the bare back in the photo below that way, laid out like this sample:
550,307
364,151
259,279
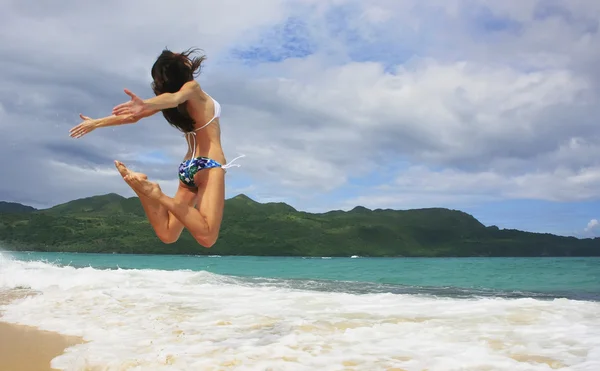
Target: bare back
202,108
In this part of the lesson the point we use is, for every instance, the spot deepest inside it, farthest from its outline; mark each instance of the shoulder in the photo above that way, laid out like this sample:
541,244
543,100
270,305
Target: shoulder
192,86
191,90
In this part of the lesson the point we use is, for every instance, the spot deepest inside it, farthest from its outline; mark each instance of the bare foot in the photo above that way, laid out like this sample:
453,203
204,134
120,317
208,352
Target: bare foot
143,185
128,174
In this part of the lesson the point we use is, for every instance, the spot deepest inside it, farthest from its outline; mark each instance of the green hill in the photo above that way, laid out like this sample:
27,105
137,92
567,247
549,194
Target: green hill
112,223
13,207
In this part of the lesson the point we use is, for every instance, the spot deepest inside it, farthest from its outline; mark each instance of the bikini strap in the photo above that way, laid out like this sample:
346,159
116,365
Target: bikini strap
230,163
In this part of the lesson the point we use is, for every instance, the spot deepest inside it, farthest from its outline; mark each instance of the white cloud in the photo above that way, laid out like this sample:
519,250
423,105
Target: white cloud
422,187
477,121
592,225
470,114
592,229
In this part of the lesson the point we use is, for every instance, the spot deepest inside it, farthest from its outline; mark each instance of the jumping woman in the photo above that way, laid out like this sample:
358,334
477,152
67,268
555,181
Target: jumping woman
200,198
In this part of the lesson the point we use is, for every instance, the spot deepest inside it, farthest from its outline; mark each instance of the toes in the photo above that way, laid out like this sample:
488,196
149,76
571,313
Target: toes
139,175
121,168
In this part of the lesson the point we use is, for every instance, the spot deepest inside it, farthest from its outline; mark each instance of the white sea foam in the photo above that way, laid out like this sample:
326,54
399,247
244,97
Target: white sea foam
183,320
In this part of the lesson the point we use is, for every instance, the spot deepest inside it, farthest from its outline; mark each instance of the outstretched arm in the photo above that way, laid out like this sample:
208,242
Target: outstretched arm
88,125
158,103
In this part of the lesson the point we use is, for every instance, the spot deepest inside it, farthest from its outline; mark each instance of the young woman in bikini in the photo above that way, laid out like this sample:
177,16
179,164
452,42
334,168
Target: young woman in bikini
188,108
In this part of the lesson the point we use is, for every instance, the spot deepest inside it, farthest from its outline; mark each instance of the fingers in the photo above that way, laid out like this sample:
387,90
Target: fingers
130,93
76,132
122,105
79,131
122,109
118,111
75,128
125,108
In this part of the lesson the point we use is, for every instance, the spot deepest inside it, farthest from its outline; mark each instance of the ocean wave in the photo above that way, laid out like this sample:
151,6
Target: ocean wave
183,320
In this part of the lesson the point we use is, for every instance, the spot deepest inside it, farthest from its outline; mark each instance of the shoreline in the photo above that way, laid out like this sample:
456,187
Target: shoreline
334,256
28,348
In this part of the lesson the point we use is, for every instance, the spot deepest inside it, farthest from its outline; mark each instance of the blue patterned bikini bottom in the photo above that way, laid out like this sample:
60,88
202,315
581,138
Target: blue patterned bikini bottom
189,168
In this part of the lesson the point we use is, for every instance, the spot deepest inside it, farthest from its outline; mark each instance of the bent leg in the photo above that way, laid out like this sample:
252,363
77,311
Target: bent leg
166,226
202,223
211,201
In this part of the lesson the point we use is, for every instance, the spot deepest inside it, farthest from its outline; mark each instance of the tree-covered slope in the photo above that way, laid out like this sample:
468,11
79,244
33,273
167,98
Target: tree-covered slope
112,223
13,207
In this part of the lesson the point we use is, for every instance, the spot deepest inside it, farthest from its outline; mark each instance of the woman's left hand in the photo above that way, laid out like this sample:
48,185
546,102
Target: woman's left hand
135,106
87,126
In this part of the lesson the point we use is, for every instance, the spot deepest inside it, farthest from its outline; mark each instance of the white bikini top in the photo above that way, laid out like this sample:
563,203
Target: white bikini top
217,113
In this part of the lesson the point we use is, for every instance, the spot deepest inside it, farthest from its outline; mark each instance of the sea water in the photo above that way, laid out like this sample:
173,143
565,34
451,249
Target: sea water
142,312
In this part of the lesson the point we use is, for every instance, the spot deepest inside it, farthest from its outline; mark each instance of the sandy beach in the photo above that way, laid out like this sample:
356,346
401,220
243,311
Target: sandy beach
24,348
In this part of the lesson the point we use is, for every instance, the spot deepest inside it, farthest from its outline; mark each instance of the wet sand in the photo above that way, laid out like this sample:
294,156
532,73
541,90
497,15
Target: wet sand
24,348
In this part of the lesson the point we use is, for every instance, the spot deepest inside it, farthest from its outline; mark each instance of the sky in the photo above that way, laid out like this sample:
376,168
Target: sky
478,105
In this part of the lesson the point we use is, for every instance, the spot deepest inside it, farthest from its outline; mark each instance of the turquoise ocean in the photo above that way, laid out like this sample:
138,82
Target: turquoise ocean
149,312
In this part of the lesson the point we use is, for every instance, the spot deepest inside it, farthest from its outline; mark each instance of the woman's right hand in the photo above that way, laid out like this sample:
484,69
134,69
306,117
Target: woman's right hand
87,126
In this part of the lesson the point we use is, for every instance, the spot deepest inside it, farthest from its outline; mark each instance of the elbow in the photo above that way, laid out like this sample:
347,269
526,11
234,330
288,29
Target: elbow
177,99
169,100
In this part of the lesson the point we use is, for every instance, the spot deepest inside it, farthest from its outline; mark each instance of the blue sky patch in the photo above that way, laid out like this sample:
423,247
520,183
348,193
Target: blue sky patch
483,22
290,39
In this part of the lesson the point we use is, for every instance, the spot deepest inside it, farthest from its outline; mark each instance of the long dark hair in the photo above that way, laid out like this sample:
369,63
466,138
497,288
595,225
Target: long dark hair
170,72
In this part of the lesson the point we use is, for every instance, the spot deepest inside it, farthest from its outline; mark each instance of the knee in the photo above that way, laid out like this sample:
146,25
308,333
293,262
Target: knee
207,240
167,238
